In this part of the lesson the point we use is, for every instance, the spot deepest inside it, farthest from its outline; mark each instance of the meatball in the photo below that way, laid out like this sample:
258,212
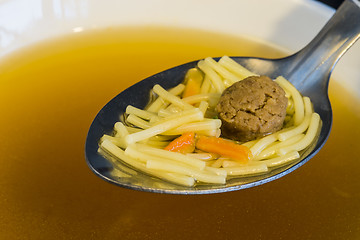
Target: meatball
252,108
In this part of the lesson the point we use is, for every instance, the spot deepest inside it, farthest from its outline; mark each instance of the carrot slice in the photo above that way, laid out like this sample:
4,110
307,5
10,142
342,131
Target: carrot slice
183,144
193,81
224,148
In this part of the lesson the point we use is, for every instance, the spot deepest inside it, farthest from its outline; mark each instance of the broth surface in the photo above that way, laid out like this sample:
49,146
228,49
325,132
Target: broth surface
50,93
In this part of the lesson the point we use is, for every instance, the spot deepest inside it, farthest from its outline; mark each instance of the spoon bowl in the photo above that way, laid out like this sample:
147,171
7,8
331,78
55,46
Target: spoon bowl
308,70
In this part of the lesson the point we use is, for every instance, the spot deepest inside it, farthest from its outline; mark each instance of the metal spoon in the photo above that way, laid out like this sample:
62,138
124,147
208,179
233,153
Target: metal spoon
309,70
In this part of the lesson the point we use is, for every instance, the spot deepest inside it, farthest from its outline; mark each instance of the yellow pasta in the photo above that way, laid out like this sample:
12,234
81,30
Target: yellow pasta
204,176
120,129
217,171
155,143
278,161
135,120
201,97
271,150
229,164
213,133
163,113
120,155
120,142
159,102
168,96
164,126
227,83
173,156
221,70
213,76
262,143
236,68
290,107
302,126
247,170
202,156
205,125
309,136
139,112
174,109
132,129
203,106
177,115
218,163
250,143
297,99
206,85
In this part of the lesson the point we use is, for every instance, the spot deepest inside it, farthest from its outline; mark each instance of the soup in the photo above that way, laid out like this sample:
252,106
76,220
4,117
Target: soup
49,94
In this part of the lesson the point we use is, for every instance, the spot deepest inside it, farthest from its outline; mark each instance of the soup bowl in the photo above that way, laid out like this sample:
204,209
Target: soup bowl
48,191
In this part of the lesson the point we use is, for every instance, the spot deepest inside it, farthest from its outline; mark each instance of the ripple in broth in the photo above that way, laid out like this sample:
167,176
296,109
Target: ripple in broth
49,94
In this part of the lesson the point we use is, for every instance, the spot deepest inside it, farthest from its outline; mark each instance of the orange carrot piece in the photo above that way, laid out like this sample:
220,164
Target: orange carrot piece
192,88
193,81
224,148
183,144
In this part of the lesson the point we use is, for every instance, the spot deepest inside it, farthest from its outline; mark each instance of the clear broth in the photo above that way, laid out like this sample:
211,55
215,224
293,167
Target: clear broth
49,94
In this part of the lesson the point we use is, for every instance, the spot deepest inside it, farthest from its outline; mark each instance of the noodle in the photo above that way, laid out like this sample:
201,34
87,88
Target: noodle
206,125
202,156
247,170
274,162
206,85
120,155
201,97
178,120
213,76
302,126
271,150
296,96
221,70
203,106
218,163
309,136
204,176
120,129
135,120
236,68
262,143
174,156
159,102
168,96
140,113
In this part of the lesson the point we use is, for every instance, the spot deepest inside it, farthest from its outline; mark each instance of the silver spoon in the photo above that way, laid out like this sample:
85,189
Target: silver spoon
309,70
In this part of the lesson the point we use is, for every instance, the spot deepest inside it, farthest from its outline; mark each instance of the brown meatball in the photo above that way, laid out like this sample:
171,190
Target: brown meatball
252,108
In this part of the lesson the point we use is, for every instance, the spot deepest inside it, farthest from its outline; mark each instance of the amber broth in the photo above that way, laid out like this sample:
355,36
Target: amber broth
49,94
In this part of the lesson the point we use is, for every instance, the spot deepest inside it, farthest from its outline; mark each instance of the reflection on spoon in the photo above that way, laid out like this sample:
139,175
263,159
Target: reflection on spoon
308,70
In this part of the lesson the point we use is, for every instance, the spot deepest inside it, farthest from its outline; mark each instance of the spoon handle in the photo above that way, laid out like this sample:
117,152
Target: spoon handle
319,57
